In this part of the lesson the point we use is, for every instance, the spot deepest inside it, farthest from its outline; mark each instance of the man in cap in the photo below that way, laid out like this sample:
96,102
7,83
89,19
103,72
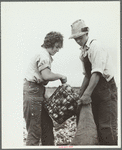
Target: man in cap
98,87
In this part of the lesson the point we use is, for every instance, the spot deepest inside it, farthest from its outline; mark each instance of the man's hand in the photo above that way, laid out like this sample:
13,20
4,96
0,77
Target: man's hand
63,79
85,99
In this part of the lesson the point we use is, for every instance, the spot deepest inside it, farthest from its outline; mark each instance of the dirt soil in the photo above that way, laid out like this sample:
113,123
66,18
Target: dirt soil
63,133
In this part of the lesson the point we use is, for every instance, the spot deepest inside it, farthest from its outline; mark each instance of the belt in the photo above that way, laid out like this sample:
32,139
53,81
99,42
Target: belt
25,80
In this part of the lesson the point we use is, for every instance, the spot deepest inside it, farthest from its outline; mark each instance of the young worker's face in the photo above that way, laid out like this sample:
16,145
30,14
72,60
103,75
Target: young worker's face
82,39
55,49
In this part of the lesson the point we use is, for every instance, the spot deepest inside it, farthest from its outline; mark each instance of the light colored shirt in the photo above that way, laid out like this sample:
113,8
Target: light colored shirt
41,60
99,58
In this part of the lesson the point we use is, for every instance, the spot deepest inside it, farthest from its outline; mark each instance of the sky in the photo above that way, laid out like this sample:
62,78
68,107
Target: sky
24,26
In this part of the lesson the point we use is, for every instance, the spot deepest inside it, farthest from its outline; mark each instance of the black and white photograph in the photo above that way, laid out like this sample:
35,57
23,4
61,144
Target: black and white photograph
60,74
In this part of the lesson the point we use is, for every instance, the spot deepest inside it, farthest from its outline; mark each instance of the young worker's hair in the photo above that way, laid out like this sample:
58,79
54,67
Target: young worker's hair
52,38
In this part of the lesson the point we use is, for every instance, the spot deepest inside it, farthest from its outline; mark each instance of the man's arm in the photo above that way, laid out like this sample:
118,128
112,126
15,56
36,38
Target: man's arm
84,85
47,75
86,97
92,83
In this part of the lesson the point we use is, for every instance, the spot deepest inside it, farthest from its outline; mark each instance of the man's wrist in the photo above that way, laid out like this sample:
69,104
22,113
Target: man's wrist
87,94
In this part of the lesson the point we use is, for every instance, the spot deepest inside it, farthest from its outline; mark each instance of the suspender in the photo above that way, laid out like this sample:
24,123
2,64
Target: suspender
92,41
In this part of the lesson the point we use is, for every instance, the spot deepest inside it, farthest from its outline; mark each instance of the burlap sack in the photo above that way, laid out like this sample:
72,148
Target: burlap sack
86,130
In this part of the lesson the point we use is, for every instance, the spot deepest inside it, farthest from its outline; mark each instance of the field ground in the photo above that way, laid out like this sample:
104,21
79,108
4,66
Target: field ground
63,133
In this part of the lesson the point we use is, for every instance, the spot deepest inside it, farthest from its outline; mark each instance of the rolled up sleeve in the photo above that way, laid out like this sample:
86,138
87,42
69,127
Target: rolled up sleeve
43,63
97,58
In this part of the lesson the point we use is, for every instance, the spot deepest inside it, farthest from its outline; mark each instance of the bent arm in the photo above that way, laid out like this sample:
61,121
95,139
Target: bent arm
92,83
47,75
84,85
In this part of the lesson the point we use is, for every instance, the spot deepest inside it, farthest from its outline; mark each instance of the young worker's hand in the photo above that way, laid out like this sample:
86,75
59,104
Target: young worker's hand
85,99
63,79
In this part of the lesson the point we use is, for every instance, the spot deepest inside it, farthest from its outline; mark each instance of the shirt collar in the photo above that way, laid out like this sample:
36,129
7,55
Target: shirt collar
50,57
87,44
84,50
48,54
